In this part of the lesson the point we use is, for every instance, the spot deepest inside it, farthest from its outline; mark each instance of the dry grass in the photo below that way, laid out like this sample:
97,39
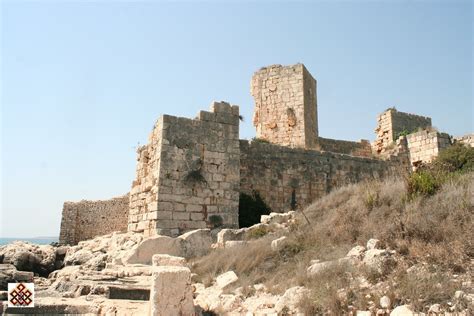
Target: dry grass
437,230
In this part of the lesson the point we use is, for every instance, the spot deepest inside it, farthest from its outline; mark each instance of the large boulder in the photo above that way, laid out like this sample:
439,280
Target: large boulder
9,274
144,251
230,235
196,243
78,258
226,279
403,310
291,299
40,259
378,260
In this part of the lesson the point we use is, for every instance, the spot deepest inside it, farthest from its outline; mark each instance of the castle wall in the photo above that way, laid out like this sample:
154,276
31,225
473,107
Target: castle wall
425,145
360,149
191,174
391,123
87,219
285,106
277,171
466,139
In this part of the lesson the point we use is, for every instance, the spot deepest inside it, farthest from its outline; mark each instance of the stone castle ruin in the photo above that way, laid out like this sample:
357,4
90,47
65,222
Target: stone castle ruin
191,172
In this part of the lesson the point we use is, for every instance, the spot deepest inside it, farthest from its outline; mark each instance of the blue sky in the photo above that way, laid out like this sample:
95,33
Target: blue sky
83,82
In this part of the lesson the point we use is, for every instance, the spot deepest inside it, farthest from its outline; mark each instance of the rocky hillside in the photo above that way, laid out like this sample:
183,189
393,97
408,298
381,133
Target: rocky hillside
364,247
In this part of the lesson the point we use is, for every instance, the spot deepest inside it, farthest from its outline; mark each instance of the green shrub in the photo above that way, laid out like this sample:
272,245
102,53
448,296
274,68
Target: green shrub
457,157
260,140
258,232
422,182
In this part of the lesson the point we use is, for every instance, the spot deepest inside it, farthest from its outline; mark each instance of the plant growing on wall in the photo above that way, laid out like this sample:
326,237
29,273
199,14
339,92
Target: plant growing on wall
216,221
194,175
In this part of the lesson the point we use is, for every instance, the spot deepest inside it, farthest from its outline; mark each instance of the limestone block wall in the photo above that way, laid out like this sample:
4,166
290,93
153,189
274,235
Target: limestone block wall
425,145
361,149
87,219
189,174
391,123
281,174
285,106
466,139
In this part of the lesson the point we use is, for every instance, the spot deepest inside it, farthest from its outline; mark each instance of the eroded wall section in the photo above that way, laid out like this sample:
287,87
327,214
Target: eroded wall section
188,176
286,176
285,106
425,145
87,219
391,124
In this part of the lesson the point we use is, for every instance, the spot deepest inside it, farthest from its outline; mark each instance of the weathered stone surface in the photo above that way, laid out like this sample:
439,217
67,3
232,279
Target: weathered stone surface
356,252
79,257
285,105
403,310
195,185
226,279
235,243
377,259
88,219
291,299
277,243
277,218
317,267
171,292
385,302
167,260
196,243
230,234
9,274
144,252
40,259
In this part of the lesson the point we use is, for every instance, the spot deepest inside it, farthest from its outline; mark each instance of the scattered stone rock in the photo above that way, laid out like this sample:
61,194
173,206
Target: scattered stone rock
226,279
291,298
277,218
356,252
235,243
435,308
377,259
229,234
317,267
373,244
458,295
277,243
385,302
403,310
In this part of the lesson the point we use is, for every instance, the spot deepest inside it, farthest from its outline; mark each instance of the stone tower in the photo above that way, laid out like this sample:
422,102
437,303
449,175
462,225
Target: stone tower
285,106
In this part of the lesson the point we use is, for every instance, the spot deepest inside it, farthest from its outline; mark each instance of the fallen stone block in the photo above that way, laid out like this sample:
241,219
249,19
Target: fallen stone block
167,260
171,292
144,252
196,243
230,234
277,243
226,279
